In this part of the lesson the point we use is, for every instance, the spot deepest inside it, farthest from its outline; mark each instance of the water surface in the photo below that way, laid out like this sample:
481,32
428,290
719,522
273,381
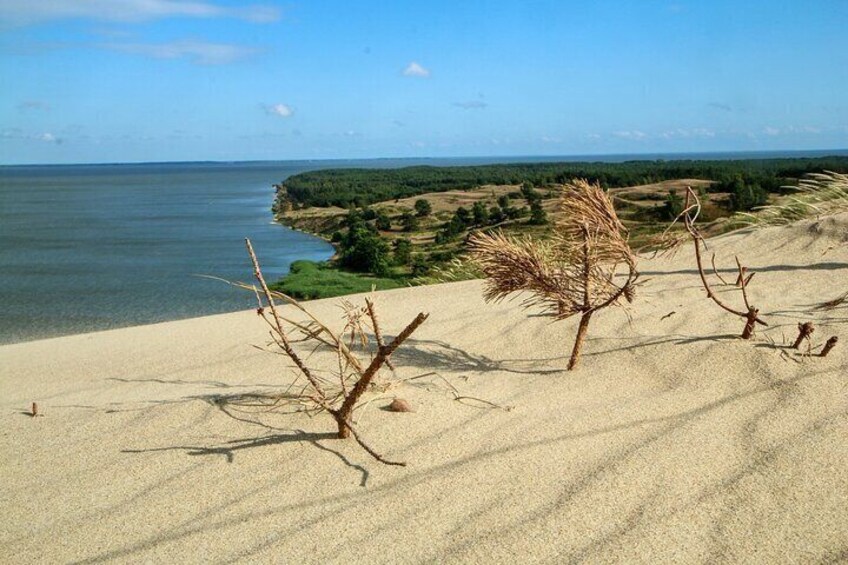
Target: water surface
86,248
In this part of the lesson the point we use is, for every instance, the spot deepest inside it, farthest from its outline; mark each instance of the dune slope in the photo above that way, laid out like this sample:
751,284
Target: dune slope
673,441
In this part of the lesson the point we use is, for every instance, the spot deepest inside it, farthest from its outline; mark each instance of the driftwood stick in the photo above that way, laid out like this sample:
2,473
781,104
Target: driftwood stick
804,331
830,344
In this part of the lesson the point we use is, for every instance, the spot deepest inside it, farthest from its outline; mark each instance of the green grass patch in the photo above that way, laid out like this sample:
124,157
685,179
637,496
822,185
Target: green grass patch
309,280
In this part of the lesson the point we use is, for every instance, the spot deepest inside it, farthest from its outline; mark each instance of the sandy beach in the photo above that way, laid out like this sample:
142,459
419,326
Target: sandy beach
673,441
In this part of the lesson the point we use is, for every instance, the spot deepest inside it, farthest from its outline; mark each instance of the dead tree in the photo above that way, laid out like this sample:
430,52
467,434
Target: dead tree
751,315
340,395
575,272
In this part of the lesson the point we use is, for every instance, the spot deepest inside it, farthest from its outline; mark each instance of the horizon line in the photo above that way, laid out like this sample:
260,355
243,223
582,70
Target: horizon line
576,157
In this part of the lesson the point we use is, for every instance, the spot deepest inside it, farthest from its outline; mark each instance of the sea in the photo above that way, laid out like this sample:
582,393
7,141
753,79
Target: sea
86,248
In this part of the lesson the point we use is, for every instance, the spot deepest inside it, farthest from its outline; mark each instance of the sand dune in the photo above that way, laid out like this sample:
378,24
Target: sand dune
674,441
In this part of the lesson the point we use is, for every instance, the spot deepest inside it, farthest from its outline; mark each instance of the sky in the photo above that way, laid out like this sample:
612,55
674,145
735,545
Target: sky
93,81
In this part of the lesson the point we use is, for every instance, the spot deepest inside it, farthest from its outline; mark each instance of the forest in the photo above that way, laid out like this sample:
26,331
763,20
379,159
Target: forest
752,179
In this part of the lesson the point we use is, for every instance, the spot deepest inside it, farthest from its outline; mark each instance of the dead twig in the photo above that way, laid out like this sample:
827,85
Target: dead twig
323,394
715,271
751,315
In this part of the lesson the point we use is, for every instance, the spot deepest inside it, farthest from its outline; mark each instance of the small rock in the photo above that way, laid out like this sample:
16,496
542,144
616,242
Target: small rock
400,405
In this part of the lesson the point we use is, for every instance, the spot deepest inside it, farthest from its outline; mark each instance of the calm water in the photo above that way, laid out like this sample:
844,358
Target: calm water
92,247
86,248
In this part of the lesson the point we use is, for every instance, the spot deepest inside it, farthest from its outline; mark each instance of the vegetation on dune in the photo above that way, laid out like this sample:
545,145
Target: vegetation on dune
574,272
309,280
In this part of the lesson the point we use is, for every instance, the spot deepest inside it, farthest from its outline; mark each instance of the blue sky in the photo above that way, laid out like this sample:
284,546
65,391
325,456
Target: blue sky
174,80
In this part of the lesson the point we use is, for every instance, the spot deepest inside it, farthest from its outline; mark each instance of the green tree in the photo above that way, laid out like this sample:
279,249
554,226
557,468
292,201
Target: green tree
363,250
409,222
423,208
745,195
420,266
481,215
496,215
672,206
530,193
538,216
463,216
383,222
402,251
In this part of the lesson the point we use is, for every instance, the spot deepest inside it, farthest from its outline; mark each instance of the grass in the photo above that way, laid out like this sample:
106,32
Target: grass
310,280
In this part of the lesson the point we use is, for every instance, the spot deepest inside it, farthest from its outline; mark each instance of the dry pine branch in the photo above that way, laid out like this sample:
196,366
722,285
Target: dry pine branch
573,273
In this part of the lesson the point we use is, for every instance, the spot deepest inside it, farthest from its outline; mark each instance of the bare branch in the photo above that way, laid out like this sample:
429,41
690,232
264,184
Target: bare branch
751,316
715,271
372,313
278,324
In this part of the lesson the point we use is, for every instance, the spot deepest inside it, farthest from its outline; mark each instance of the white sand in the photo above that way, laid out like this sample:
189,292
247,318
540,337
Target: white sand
674,441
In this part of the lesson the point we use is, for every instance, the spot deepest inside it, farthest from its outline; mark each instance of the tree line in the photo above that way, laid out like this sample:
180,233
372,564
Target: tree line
748,181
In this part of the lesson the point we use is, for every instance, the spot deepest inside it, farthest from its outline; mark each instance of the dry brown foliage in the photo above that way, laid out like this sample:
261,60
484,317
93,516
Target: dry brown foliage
576,271
337,392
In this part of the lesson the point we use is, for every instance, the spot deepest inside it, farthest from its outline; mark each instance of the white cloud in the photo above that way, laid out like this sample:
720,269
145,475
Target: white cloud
281,110
199,52
687,133
768,130
471,105
413,69
803,129
631,134
18,133
29,11
549,139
